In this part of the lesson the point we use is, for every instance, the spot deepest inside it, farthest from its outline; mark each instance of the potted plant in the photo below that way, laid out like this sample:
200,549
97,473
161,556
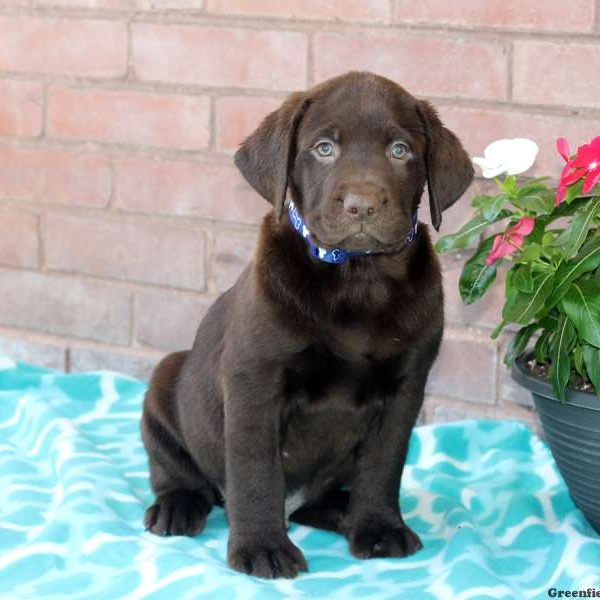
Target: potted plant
550,243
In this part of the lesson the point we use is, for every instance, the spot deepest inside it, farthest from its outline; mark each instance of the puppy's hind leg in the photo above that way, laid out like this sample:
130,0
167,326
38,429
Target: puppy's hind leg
184,496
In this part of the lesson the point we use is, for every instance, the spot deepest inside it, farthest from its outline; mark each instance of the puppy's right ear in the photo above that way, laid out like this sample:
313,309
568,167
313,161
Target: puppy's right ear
267,155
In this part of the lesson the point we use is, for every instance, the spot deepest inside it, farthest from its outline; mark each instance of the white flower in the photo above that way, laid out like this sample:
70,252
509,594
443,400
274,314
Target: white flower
511,156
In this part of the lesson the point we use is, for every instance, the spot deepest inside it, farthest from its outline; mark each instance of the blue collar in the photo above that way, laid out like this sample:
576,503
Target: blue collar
337,256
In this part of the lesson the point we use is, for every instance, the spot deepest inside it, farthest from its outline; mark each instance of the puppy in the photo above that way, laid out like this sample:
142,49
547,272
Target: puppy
299,395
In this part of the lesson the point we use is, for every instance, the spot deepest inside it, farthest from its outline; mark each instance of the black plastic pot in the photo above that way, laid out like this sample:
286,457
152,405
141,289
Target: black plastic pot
572,430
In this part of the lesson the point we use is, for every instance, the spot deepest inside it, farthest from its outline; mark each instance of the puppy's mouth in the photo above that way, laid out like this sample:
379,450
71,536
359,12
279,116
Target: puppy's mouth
360,237
355,241
360,241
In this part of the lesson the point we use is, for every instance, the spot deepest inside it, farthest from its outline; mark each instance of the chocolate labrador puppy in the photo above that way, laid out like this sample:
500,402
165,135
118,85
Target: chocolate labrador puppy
299,395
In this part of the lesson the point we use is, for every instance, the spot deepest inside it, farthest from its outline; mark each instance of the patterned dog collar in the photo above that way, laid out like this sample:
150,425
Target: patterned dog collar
336,256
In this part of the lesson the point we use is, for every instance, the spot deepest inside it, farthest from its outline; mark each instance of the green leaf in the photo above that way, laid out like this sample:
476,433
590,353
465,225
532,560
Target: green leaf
518,343
483,200
491,212
587,260
548,238
509,186
498,330
581,303
560,373
566,210
540,203
521,308
532,186
541,350
468,234
530,253
578,360
522,279
550,321
572,238
591,356
574,191
476,276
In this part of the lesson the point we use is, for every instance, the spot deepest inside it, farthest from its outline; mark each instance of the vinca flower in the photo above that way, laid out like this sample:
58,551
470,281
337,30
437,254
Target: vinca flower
586,163
510,241
510,156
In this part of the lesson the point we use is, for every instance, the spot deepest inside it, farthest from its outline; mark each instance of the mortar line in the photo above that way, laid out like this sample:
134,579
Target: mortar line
194,18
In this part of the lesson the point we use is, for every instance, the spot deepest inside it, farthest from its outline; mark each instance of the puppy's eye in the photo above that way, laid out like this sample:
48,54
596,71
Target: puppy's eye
324,149
399,150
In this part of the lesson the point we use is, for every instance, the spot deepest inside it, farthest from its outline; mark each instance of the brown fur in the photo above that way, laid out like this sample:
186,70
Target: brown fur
305,379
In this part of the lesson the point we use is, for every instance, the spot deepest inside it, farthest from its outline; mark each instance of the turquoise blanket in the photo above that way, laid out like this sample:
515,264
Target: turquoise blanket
485,497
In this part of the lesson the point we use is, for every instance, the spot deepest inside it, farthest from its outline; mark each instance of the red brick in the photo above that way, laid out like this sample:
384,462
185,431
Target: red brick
203,190
129,117
444,410
136,363
237,117
124,5
511,392
88,4
21,106
424,64
65,306
169,321
545,15
18,238
551,73
24,349
220,56
355,10
231,254
477,127
159,253
465,369
170,5
55,176
89,48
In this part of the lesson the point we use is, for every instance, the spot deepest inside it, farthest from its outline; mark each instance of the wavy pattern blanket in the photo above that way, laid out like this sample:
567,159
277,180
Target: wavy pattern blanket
485,497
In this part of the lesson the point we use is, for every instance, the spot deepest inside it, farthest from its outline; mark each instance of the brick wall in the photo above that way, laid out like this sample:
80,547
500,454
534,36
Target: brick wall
121,215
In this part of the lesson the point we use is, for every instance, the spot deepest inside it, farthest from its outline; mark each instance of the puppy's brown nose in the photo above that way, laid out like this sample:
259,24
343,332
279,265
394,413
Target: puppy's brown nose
359,206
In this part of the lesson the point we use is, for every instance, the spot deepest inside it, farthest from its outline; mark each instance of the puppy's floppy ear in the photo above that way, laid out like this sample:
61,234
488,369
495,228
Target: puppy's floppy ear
266,156
448,167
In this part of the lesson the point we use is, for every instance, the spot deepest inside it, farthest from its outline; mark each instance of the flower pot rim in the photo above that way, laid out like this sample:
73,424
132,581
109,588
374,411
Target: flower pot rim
542,387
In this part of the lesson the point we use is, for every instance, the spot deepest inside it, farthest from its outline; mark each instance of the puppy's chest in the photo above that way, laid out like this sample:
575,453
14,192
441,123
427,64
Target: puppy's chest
376,338
367,348
330,406
319,379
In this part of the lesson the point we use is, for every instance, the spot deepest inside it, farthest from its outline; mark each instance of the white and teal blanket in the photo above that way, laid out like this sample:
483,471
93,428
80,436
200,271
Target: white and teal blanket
485,497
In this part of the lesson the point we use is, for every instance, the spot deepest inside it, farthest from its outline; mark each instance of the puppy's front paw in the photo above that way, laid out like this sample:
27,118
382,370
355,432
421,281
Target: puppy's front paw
180,512
270,558
380,539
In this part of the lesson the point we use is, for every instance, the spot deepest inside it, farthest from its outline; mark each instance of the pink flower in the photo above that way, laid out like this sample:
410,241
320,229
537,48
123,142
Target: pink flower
563,148
510,241
585,163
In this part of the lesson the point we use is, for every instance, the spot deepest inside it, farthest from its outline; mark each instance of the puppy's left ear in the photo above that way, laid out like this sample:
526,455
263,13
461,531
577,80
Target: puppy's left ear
448,167
267,155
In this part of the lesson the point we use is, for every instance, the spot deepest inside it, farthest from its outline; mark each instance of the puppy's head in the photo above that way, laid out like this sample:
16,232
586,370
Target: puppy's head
355,153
